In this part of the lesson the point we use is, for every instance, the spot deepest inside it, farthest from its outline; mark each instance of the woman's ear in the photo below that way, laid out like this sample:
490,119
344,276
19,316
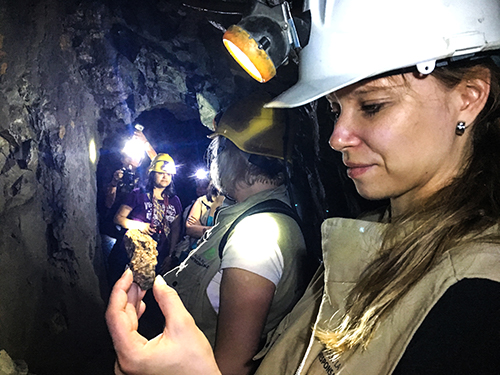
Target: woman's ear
474,92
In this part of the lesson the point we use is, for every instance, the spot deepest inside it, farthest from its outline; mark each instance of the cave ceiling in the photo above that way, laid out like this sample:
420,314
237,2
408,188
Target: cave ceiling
138,56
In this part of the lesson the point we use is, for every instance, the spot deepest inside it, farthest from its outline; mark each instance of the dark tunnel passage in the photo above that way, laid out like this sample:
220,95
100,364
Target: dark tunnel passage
185,141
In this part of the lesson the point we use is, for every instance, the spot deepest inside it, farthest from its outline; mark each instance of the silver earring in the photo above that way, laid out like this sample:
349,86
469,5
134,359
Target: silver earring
460,129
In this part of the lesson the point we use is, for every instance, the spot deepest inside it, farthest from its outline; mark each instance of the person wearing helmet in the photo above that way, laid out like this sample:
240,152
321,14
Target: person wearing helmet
154,210
122,182
415,89
245,275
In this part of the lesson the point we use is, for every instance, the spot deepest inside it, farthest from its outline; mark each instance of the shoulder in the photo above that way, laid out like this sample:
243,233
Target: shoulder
266,233
176,202
135,195
267,221
174,198
137,192
476,259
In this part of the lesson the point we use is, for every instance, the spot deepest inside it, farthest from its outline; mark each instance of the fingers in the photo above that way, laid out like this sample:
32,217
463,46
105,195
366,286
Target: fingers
176,315
118,175
140,136
195,355
141,309
193,221
118,302
118,298
135,295
121,314
146,228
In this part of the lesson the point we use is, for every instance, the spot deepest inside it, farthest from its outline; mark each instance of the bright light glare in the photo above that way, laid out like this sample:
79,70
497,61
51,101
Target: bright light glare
201,174
134,149
92,151
169,168
243,60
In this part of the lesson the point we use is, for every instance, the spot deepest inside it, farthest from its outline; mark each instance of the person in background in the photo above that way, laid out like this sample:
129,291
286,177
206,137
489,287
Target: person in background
246,272
199,218
202,185
154,210
123,181
129,167
414,288
201,215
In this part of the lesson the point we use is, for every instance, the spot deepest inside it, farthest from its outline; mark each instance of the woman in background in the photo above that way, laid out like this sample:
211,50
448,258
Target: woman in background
199,219
154,210
201,215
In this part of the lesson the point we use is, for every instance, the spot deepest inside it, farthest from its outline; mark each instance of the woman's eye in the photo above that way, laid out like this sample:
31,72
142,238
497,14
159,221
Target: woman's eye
371,109
334,116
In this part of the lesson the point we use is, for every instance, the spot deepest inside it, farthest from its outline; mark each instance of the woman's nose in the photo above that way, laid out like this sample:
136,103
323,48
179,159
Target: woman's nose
343,134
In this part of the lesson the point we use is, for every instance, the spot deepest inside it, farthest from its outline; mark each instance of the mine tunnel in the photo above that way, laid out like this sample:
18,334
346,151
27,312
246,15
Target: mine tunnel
75,78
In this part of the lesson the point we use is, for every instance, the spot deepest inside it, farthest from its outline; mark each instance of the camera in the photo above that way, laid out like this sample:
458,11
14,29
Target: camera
128,179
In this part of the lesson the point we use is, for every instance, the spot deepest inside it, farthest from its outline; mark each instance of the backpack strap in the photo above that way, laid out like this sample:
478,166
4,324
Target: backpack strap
271,205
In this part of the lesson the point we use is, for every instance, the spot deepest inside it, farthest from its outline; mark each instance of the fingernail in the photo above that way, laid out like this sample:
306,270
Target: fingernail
160,280
126,269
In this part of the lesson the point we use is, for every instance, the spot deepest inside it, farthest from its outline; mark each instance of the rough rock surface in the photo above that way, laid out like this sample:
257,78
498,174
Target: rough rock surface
141,249
9,367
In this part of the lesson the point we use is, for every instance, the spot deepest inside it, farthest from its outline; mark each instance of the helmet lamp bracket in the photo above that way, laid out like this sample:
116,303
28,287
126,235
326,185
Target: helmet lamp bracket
426,67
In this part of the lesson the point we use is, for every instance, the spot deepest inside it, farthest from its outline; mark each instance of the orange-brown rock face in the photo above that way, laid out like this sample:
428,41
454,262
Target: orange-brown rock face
141,249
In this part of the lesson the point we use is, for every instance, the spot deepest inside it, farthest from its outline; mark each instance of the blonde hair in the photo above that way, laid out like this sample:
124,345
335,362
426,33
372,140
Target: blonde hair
413,243
230,166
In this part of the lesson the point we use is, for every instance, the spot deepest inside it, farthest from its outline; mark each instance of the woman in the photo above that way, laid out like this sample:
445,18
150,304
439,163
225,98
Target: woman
201,215
415,291
199,218
154,210
246,273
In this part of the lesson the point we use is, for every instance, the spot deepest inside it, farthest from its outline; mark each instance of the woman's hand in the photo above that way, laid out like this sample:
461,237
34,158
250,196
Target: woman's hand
180,349
121,219
191,220
146,228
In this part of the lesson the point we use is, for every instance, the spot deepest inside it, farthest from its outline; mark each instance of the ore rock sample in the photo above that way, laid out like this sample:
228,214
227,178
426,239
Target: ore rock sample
141,249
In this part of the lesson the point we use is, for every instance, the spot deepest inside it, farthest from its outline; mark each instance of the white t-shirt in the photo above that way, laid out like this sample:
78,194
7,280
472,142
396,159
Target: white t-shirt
253,246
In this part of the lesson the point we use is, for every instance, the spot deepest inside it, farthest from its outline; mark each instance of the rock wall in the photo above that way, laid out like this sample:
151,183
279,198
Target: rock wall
50,301
73,74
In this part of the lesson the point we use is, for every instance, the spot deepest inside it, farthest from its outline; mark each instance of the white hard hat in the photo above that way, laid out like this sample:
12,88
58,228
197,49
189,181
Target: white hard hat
351,40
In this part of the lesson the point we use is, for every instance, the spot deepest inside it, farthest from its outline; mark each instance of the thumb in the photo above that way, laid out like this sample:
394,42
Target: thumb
176,315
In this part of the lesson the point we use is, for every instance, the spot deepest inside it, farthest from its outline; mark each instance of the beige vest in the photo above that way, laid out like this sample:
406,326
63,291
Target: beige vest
192,277
348,247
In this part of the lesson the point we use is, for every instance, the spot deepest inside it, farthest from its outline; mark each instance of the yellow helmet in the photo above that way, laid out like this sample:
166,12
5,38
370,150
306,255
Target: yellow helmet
253,128
162,163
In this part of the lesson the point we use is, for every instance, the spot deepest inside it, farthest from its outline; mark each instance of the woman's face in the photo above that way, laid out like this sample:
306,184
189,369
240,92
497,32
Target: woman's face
162,180
397,137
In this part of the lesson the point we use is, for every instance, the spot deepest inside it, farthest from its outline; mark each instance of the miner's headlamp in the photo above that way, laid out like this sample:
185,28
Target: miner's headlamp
263,40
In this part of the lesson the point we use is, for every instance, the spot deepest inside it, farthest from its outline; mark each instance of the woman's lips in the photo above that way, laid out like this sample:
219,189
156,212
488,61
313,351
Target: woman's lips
357,170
